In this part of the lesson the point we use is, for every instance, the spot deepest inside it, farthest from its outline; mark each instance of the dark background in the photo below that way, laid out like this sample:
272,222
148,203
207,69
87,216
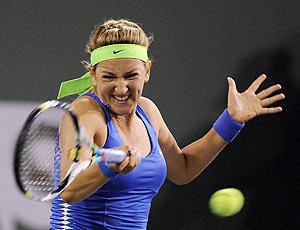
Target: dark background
197,44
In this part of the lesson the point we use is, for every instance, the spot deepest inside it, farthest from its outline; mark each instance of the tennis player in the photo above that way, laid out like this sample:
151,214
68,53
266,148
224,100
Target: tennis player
116,115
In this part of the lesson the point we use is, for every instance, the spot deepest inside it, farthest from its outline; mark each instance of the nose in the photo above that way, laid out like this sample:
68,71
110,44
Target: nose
121,87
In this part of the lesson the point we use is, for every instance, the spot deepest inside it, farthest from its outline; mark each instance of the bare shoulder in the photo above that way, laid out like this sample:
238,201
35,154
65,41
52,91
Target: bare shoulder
149,106
85,105
152,111
92,117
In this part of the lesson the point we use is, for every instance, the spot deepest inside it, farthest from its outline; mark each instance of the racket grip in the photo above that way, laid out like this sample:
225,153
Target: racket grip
111,155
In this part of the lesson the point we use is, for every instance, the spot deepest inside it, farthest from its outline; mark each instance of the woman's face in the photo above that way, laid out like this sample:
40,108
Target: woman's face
119,83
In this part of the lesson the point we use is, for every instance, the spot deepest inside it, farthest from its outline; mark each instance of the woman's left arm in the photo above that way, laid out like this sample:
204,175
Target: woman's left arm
185,164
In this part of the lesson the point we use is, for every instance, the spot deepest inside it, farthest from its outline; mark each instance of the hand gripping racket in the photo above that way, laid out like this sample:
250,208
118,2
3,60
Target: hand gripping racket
36,156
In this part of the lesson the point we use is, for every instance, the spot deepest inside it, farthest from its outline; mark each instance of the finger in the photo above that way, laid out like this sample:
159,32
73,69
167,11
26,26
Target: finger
136,155
255,85
131,166
270,110
134,161
266,92
231,85
114,167
271,100
119,167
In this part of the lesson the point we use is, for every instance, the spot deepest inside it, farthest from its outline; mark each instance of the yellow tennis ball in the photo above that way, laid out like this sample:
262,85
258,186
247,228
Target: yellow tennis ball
226,202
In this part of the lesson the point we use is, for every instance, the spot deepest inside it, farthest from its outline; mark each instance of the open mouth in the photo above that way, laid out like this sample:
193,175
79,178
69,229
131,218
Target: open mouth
121,99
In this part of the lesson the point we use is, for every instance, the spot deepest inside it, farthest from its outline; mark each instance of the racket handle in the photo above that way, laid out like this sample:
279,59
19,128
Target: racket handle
110,155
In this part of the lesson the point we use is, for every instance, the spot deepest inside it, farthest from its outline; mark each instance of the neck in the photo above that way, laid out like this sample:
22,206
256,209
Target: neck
127,120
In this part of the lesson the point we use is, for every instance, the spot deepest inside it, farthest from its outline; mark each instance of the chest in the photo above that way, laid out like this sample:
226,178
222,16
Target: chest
138,137
148,176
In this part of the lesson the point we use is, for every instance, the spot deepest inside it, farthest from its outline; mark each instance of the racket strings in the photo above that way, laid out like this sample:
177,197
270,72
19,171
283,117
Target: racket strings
36,169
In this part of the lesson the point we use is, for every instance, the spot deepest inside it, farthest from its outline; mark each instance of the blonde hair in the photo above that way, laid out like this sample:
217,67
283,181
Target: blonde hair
117,31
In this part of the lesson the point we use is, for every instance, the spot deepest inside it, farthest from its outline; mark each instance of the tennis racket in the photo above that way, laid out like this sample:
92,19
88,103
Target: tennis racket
37,158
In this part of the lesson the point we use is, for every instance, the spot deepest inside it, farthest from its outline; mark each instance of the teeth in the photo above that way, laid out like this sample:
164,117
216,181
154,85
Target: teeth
124,98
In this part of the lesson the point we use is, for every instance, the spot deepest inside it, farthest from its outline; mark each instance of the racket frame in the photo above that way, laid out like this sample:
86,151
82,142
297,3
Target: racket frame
80,138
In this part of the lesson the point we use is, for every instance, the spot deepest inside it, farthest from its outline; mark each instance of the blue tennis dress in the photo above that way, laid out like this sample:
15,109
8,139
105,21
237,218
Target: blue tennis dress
124,202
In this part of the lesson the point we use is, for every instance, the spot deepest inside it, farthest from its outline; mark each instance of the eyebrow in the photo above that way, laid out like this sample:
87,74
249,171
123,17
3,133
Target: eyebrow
111,73
107,72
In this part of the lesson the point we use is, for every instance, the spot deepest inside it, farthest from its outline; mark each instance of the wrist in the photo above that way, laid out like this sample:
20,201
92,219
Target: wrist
106,169
227,127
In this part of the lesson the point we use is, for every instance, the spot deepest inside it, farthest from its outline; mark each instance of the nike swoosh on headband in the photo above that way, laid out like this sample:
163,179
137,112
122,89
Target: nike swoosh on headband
118,51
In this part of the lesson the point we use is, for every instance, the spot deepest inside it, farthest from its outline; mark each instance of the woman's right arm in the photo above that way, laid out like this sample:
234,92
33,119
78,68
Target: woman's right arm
91,179
91,117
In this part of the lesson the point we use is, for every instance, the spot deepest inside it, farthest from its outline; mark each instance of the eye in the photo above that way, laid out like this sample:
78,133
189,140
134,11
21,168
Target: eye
108,77
132,76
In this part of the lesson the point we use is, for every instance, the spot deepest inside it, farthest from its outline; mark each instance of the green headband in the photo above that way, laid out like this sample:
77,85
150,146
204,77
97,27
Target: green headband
84,83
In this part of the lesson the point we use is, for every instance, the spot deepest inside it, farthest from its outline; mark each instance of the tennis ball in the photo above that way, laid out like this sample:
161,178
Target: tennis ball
226,202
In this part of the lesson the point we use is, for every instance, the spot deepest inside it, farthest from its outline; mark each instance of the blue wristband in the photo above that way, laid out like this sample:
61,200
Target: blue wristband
227,127
106,169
